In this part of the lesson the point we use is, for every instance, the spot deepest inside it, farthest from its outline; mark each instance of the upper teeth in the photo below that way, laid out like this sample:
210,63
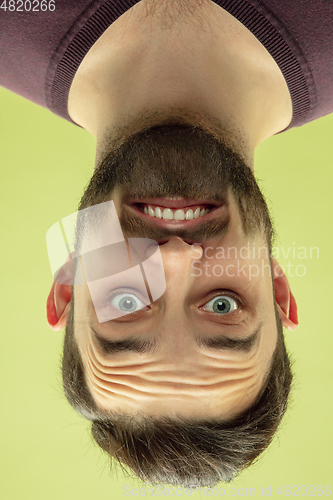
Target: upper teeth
179,214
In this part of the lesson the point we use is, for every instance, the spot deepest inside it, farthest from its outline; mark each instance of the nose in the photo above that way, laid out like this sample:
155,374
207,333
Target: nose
176,244
178,255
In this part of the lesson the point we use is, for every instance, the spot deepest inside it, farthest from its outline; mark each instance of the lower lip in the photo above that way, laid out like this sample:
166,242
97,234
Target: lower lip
215,212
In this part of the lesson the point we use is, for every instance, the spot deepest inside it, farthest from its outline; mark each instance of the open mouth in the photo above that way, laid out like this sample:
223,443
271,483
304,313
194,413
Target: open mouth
175,212
188,213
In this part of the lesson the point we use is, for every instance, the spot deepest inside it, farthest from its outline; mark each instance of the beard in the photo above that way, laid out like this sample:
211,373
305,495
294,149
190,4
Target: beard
178,160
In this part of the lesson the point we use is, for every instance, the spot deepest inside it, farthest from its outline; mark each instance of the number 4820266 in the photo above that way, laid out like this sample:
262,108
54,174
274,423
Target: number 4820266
28,5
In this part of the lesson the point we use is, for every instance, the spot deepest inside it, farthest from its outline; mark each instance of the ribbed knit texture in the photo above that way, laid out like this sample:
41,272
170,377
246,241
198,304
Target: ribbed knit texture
278,48
61,71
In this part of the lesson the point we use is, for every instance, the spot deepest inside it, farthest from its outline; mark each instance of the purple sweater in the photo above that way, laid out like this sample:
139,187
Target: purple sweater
41,51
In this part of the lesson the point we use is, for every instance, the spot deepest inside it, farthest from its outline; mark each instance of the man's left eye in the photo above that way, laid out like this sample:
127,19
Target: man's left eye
221,304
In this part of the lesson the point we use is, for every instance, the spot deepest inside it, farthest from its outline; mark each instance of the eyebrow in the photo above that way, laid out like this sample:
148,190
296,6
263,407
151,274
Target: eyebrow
219,342
129,344
222,342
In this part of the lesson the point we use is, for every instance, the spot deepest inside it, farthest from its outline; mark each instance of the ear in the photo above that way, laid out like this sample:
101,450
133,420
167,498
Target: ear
285,300
57,305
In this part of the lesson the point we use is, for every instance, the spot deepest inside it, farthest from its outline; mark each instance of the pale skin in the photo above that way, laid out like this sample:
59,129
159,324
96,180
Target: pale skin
141,67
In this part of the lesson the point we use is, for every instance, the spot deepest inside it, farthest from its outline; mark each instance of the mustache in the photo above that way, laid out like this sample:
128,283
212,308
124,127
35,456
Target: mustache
144,181
171,161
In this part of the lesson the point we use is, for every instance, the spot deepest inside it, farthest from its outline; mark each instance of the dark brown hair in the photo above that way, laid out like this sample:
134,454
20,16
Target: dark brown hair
182,451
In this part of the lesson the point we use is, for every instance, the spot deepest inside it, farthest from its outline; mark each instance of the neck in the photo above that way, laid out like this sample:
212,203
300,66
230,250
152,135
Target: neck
203,62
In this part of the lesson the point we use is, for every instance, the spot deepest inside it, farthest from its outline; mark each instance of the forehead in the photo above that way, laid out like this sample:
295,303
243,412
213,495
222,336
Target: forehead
202,386
210,383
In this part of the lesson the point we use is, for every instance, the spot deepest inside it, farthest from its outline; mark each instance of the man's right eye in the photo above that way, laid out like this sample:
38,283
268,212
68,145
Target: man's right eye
126,301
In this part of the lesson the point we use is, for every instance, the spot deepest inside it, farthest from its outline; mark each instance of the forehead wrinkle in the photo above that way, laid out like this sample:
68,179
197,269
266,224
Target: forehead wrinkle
124,368
160,369
133,384
156,393
231,358
107,387
172,377
105,397
117,392
156,368
106,394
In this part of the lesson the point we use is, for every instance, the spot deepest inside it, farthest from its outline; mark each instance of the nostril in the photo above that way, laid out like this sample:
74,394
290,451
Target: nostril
185,240
198,247
191,242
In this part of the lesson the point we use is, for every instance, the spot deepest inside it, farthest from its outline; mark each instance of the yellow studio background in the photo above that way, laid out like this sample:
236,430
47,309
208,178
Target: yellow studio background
46,449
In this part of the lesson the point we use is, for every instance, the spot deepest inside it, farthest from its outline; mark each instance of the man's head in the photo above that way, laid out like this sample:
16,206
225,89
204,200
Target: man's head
207,350
179,451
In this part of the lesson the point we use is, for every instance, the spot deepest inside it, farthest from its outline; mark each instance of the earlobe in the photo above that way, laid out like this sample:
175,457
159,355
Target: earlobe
58,301
57,305
285,300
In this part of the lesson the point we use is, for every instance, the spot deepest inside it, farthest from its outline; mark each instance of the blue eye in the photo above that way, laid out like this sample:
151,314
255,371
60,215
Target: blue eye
221,305
126,302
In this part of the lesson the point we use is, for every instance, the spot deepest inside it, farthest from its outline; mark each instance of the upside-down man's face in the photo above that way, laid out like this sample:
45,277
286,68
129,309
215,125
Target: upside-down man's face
204,348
